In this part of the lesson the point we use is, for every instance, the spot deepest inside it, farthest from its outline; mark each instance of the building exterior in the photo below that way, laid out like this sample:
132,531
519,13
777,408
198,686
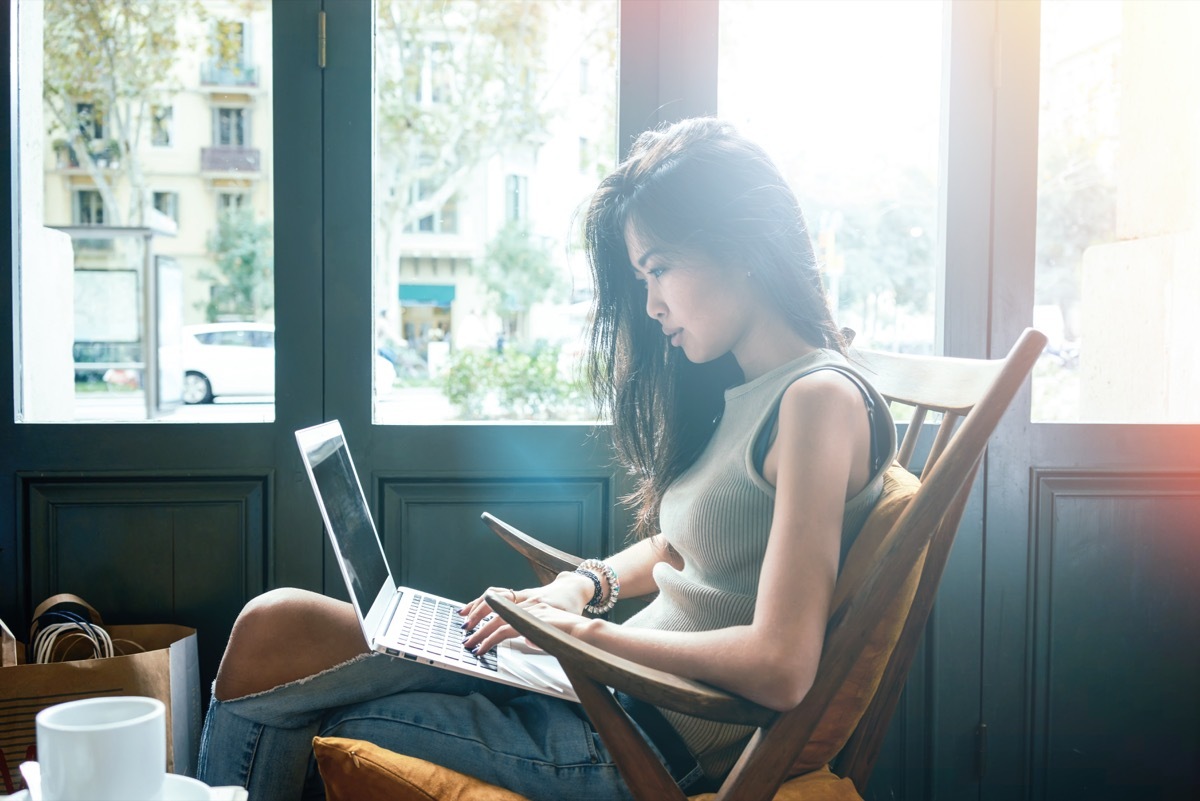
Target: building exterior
202,148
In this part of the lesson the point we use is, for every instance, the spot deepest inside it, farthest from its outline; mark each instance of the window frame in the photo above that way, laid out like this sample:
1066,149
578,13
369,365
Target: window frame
243,125
162,119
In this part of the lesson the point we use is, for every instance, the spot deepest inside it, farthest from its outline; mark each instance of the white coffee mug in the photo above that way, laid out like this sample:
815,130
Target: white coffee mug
103,749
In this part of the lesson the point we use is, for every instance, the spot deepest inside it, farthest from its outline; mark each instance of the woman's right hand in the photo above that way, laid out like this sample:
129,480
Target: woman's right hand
569,592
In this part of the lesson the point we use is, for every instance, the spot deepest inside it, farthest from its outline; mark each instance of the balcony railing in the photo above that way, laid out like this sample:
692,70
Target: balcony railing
215,73
226,158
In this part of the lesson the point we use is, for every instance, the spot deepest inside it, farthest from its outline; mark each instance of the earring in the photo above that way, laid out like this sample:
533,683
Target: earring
749,274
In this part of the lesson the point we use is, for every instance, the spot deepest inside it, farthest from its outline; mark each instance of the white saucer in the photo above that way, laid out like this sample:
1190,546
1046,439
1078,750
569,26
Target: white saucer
176,788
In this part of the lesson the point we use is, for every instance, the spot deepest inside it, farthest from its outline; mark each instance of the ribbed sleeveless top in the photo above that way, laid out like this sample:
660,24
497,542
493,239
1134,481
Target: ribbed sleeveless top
717,515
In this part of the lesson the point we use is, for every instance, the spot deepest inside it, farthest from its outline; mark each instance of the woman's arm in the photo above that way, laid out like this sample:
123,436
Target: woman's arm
570,592
823,439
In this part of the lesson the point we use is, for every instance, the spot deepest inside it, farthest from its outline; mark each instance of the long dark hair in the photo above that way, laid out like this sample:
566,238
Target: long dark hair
694,187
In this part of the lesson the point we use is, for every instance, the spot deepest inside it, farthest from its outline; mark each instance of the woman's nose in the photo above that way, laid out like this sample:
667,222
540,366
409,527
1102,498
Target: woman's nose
654,304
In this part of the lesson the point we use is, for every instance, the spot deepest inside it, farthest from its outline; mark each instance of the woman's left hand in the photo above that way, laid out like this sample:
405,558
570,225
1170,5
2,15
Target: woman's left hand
493,630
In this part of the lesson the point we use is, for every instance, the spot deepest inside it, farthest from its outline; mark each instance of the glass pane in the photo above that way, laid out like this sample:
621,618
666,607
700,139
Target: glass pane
857,139
143,148
1118,218
494,123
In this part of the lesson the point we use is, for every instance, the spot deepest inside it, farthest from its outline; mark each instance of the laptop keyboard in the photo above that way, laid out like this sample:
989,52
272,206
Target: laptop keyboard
433,625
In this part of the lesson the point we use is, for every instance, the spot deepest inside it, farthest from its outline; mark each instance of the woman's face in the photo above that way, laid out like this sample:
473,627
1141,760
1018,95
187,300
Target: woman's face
706,309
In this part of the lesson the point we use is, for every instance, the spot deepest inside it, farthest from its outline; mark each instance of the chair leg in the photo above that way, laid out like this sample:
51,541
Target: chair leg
645,775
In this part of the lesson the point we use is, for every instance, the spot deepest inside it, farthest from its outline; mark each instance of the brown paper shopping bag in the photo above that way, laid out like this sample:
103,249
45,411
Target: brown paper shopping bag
161,663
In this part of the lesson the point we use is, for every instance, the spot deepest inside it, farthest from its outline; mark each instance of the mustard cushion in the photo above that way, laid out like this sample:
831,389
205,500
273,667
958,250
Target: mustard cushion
354,770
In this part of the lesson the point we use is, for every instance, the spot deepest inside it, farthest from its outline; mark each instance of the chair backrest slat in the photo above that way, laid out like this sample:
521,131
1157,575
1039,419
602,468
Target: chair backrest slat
909,444
944,433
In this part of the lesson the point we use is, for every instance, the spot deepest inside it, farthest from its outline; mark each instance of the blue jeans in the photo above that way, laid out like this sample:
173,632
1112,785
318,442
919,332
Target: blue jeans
541,747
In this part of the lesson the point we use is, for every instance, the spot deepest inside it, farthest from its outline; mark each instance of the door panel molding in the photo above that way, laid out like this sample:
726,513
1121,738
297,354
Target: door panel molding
1114,640
433,537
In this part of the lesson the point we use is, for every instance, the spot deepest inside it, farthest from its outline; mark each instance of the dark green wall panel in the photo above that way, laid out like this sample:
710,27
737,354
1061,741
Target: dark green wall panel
1116,636
150,550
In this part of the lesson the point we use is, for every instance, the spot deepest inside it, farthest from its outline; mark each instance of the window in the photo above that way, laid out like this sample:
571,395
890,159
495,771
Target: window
89,207
232,200
230,44
230,124
167,203
860,150
443,220
487,324
428,71
122,102
160,125
91,121
1117,271
516,198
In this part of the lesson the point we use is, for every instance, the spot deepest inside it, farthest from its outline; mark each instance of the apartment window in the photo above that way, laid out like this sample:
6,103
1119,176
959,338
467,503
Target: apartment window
161,118
583,76
440,220
230,127
230,44
89,207
516,198
167,203
429,71
232,200
91,120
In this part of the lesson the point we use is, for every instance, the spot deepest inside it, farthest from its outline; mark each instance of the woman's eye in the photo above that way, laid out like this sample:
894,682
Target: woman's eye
656,271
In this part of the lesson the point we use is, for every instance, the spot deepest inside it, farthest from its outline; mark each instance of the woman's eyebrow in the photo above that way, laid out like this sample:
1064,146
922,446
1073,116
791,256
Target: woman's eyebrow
641,262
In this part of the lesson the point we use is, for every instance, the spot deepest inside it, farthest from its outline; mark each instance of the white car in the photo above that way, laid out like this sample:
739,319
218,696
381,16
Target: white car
237,359
226,359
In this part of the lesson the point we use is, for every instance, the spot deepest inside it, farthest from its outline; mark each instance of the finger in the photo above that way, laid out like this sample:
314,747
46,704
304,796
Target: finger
471,605
482,610
485,628
494,638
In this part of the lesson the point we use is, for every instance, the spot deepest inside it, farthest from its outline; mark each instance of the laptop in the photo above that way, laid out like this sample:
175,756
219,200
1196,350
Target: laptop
403,622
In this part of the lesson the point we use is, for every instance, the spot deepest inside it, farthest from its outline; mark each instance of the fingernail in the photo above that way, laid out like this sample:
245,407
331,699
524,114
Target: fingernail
475,650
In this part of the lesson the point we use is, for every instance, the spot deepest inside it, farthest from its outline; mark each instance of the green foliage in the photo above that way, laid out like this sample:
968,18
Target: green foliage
520,383
517,271
244,281
887,246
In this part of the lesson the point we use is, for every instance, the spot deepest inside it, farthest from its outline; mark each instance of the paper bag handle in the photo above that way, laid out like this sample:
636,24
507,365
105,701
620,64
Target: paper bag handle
66,597
8,646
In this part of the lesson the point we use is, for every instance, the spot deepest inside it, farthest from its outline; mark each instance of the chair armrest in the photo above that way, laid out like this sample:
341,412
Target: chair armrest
653,686
547,561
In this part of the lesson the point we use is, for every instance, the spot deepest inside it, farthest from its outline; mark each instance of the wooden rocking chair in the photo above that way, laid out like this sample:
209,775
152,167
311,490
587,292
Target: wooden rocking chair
880,606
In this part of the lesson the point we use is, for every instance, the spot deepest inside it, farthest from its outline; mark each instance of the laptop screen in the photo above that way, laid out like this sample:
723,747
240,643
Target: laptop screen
350,522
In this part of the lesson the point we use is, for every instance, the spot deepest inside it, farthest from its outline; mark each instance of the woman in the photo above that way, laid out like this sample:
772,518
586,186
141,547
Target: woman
758,453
